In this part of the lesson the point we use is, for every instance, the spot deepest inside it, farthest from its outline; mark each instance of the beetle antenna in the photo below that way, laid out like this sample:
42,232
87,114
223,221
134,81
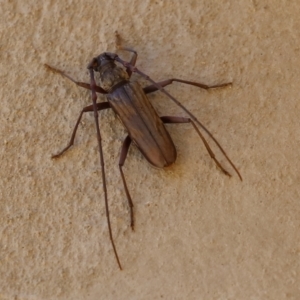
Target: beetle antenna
94,98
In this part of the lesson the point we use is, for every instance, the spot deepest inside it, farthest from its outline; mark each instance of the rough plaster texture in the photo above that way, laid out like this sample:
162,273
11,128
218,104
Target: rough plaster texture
199,234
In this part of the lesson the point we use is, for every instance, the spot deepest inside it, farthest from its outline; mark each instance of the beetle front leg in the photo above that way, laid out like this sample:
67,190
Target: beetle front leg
124,152
87,86
174,120
134,56
153,88
100,106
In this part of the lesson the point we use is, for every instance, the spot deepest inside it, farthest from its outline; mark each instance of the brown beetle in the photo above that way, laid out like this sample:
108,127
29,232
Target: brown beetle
145,128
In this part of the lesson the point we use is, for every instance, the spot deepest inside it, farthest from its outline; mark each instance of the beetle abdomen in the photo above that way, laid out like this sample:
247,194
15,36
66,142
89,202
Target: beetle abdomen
144,126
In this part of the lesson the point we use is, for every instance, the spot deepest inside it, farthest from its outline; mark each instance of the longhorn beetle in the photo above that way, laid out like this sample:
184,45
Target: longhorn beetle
145,128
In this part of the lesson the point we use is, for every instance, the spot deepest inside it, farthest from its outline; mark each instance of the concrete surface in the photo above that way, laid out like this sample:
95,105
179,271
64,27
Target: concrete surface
199,234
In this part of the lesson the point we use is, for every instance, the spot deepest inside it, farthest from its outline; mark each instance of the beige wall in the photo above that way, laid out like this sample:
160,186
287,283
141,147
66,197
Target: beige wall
199,234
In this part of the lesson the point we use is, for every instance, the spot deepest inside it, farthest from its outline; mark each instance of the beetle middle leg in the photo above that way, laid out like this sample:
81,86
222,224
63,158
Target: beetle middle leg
178,120
100,106
124,152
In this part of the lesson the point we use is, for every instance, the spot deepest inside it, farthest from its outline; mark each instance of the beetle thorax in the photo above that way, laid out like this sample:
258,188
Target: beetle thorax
110,76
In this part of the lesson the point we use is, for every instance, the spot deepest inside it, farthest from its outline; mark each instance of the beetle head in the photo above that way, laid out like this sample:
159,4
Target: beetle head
110,73
100,62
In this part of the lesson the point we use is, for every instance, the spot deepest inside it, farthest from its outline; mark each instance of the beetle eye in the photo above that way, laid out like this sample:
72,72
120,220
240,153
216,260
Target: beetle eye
95,65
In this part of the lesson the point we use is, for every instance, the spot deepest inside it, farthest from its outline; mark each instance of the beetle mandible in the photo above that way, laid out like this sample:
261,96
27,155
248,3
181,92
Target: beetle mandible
145,128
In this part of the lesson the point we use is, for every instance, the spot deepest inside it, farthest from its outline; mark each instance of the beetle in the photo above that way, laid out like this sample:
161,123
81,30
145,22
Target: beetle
145,128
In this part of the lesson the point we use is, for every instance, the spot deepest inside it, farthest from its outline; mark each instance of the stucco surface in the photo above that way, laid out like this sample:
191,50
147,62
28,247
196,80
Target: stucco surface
199,234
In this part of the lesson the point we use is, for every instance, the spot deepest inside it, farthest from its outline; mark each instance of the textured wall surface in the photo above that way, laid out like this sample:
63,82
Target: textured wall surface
199,234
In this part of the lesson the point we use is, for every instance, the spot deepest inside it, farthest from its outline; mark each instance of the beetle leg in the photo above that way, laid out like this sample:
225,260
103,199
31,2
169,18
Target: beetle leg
100,106
124,152
132,61
134,56
152,88
168,119
98,89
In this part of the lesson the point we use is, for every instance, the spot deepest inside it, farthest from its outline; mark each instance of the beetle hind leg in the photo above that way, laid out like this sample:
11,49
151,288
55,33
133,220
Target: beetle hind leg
168,119
124,152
